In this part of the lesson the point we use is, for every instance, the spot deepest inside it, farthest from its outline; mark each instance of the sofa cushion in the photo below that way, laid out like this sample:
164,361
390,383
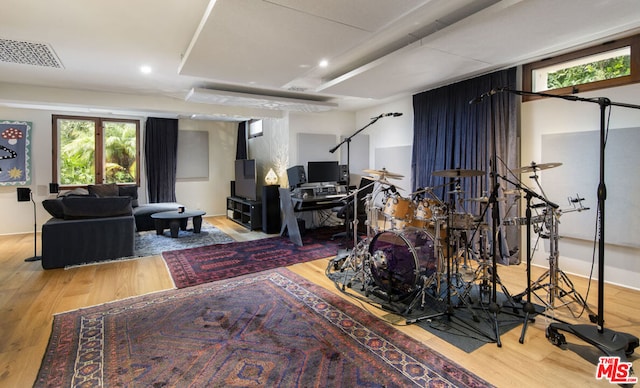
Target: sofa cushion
78,191
129,191
94,207
54,207
104,190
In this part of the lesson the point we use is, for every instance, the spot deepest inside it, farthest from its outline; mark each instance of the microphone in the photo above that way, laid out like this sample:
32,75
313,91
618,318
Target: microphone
396,114
485,95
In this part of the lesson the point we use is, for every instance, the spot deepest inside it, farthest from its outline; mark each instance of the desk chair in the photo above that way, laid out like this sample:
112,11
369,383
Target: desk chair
345,211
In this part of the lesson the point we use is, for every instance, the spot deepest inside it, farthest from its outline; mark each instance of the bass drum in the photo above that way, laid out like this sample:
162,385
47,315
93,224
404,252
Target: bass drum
399,259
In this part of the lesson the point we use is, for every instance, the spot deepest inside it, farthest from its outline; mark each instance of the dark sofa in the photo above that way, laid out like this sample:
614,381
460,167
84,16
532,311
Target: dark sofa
95,224
87,229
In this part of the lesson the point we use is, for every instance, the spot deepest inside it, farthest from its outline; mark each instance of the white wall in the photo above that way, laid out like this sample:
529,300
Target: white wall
210,194
551,116
390,132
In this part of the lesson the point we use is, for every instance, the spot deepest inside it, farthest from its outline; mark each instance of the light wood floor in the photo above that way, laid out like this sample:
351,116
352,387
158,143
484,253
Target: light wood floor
29,296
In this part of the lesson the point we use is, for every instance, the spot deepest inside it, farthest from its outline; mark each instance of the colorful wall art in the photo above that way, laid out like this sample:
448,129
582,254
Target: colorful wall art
15,153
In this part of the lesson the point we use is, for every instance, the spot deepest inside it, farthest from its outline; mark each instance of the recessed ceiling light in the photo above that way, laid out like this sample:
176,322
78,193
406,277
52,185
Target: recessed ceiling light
145,69
323,63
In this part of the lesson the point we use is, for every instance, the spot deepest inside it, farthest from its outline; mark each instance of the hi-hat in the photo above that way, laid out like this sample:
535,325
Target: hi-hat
384,174
533,167
458,173
386,182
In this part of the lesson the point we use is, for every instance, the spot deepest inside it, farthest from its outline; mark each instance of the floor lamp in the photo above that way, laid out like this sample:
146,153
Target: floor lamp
25,195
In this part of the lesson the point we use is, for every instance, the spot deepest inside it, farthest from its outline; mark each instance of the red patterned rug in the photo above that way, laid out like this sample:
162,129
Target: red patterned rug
273,328
189,267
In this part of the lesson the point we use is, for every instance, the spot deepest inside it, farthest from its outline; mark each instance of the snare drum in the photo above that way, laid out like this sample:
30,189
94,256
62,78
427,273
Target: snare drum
399,259
398,208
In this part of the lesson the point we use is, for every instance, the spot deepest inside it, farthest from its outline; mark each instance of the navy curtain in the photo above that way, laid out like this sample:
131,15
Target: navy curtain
453,130
161,155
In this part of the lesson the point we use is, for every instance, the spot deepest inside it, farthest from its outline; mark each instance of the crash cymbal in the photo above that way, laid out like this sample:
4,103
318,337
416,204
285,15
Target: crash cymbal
384,173
533,167
458,173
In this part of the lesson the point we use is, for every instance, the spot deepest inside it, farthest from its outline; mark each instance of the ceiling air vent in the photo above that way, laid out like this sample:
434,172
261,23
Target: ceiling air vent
28,53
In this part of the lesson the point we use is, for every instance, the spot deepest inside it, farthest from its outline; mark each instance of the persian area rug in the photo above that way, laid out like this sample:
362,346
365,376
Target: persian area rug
268,329
190,267
148,243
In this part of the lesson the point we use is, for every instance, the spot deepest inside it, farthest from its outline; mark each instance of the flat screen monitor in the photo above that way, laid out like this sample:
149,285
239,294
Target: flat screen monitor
323,172
245,170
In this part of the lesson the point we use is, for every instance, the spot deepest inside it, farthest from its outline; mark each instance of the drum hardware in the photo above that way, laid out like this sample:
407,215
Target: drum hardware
554,274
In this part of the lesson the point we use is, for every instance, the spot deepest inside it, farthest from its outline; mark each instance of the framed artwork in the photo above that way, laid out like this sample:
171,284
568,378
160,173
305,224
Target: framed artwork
15,153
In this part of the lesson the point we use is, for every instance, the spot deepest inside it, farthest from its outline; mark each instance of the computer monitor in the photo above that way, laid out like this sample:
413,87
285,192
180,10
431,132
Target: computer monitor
318,172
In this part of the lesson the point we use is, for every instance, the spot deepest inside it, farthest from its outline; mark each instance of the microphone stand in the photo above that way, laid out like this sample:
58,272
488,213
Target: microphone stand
612,343
347,141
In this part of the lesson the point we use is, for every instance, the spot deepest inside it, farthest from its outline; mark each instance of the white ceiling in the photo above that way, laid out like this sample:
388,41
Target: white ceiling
248,51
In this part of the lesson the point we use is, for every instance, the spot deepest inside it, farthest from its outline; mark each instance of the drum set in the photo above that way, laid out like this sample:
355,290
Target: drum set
419,247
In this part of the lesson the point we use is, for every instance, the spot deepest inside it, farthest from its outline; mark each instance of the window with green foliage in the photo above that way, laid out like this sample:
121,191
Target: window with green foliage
611,64
90,150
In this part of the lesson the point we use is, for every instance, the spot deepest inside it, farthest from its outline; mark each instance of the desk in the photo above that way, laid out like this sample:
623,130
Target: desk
290,205
319,202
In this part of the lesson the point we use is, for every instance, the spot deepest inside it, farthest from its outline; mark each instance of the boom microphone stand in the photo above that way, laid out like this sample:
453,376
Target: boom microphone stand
615,344
347,141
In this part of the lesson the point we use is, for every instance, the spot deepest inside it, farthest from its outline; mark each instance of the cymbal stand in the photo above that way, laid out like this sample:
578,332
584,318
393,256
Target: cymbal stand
554,273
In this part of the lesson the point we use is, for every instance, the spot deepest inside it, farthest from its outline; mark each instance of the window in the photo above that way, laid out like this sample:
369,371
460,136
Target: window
611,64
255,128
90,150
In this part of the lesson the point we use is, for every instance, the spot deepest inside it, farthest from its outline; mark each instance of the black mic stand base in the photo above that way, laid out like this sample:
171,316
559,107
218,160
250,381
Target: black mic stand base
33,258
611,343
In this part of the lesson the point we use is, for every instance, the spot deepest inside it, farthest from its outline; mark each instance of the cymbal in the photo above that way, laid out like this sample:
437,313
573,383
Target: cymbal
384,173
457,172
533,167
484,199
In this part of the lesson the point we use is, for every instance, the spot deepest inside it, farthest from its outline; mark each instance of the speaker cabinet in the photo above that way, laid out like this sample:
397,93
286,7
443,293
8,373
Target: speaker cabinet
270,209
232,188
24,194
296,176
344,173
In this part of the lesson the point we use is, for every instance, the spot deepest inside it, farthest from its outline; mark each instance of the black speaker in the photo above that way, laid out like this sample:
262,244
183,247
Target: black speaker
270,209
344,173
233,188
296,176
54,188
24,194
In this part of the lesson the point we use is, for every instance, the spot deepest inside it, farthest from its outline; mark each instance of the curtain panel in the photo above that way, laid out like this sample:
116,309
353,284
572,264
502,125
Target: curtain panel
454,129
161,155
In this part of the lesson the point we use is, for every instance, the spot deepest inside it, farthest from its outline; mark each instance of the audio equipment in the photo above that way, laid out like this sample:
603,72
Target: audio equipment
24,194
296,176
344,173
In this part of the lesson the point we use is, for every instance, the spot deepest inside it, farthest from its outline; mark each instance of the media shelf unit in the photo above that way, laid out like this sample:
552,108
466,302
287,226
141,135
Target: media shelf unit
245,212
